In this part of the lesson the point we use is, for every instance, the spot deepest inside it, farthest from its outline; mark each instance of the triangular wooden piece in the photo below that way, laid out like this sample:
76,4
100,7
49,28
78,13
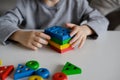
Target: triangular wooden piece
5,71
70,69
22,71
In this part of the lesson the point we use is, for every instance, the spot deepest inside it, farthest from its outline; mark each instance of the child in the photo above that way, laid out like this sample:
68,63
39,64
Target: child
40,14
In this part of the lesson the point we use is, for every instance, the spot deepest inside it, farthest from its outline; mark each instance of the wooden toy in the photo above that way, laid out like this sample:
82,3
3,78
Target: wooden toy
22,71
62,51
60,37
61,42
58,32
61,47
35,77
59,76
32,64
70,69
5,71
43,72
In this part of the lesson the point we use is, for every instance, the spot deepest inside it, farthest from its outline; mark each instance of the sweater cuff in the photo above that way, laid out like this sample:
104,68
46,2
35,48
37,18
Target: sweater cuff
7,33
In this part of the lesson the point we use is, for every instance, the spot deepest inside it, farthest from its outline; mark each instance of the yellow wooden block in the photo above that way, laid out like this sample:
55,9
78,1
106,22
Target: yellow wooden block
59,46
0,62
35,77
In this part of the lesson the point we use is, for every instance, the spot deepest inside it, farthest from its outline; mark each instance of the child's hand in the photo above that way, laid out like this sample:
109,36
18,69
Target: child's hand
31,39
80,34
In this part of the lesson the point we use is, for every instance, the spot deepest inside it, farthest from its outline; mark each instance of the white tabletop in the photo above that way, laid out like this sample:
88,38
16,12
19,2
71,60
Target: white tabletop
99,59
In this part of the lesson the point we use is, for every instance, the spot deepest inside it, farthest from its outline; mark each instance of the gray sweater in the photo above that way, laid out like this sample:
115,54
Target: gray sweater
35,14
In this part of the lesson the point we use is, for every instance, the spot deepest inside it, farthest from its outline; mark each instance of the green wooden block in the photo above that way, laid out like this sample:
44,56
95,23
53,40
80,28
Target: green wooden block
33,64
61,42
70,69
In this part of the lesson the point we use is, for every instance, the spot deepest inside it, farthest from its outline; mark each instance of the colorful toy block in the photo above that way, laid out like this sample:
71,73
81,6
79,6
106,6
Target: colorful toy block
61,47
22,71
58,32
35,77
59,76
5,71
32,64
60,41
62,51
0,62
70,69
43,72
60,38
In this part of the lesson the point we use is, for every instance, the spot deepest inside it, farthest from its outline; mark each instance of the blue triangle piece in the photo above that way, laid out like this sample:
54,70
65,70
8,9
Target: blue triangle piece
22,71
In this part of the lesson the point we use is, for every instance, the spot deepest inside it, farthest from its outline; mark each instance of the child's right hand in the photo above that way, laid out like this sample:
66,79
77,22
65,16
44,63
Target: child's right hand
31,39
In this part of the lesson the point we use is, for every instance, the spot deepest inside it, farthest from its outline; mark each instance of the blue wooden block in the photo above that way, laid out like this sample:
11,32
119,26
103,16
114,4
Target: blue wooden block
58,32
22,71
43,72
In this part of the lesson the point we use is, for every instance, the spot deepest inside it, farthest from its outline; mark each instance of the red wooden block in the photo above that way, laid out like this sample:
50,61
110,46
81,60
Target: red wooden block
5,71
62,51
59,76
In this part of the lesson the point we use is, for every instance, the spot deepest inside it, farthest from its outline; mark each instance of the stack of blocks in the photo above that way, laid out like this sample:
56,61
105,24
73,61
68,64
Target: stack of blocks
60,38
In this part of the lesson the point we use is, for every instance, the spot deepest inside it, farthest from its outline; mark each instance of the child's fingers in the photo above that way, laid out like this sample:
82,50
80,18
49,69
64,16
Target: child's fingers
75,38
31,46
40,40
70,25
36,44
43,35
82,42
74,31
77,42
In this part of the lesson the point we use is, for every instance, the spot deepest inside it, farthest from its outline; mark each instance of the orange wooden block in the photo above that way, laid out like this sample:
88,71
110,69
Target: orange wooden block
62,51
61,47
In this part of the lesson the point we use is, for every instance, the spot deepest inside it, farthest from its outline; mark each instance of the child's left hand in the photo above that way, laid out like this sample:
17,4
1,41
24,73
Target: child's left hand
80,34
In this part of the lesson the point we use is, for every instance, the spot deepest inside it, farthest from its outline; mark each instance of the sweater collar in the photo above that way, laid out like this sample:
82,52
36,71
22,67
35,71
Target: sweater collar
54,7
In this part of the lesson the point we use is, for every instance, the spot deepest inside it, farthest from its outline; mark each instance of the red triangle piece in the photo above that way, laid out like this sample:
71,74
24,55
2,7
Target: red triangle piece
5,71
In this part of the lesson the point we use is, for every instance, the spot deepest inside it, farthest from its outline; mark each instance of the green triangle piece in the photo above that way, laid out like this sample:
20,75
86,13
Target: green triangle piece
71,69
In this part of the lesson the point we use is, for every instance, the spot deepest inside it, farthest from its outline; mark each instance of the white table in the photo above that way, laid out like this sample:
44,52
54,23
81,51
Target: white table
99,59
